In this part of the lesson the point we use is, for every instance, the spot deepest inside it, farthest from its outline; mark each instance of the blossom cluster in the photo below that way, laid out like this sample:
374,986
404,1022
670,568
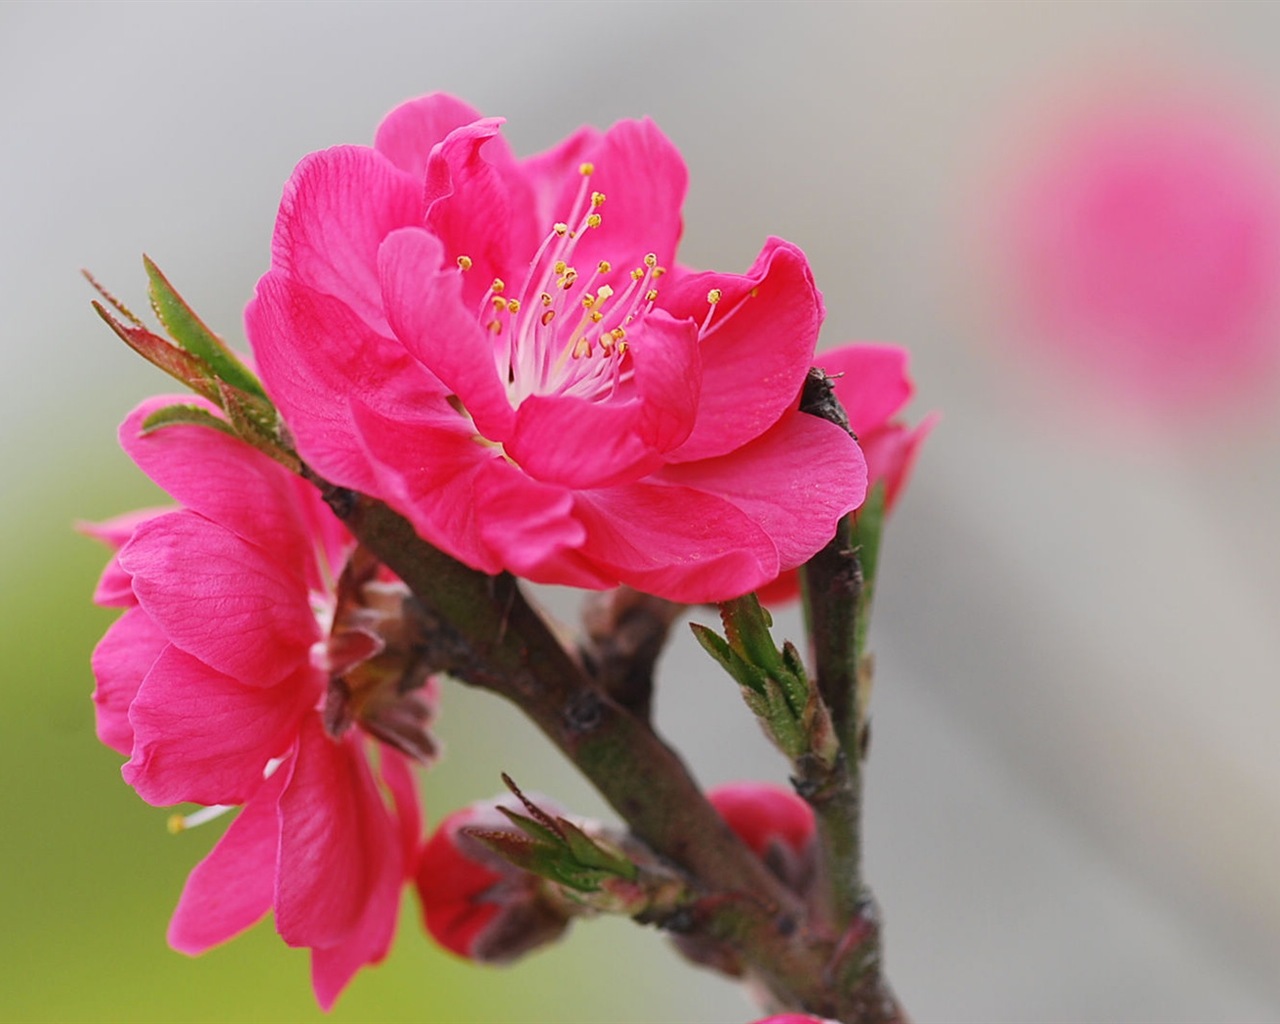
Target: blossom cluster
507,353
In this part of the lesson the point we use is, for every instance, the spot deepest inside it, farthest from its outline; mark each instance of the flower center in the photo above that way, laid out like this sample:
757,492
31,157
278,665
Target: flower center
565,332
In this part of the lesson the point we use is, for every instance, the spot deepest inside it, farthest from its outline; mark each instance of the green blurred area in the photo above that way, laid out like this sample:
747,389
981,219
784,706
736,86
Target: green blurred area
90,874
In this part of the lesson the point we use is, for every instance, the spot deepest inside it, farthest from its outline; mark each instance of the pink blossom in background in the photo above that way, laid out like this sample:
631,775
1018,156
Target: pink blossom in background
222,682
776,824
506,352
873,385
477,904
1141,244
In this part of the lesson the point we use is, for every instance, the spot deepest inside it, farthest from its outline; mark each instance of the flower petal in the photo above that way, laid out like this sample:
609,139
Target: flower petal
222,478
314,354
121,660
871,382
336,840
115,588
798,509
221,599
644,180
337,208
231,889
675,542
203,737
407,135
891,454
480,206
756,350
426,310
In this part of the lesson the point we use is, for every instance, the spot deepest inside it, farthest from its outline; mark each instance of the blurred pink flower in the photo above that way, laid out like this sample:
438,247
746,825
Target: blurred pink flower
776,824
505,351
872,383
226,681
1143,250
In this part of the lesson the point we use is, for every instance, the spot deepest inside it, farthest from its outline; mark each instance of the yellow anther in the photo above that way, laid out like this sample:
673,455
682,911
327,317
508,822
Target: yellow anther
582,348
548,316
546,298
622,347
713,296
560,228
495,326
560,266
593,220
497,286
604,266
617,334
637,273
176,823
513,306
588,301
499,303
755,292
587,168
659,271
651,260
651,295
596,316
605,292
464,262
597,199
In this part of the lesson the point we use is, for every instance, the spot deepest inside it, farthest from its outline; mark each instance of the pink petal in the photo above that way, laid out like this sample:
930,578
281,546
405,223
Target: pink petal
407,135
757,349
120,661
871,382
315,354
222,478
232,888
332,967
644,180
480,206
397,776
336,841
337,208
676,542
891,454
531,528
221,599
202,737
425,306
115,588
576,442
795,482
549,172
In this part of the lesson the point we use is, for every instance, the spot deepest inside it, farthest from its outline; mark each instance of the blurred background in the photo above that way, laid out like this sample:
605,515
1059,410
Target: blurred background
1069,213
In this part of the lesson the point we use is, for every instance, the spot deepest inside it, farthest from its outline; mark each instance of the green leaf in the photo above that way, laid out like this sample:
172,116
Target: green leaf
746,625
184,367
868,525
189,331
534,829
187,415
746,674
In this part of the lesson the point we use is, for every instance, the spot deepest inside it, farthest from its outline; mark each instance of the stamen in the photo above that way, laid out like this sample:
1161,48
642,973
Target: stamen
464,263
180,823
586,169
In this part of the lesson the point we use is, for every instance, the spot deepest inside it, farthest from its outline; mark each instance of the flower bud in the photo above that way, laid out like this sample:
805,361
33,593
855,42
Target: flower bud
775,823
474,902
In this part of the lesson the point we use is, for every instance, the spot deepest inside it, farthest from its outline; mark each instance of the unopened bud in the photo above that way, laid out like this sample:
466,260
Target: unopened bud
775,824
477,904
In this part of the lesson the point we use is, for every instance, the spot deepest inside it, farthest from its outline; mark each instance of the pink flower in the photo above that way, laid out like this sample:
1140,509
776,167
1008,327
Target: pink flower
505,351
255,636
873,385
1142,250
775,824
477,904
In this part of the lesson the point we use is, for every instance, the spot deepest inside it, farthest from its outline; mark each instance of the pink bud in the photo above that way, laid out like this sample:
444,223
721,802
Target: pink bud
775,823
475,903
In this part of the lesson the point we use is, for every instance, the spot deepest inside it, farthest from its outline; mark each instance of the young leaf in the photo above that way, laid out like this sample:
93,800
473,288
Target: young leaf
189,331
189,415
